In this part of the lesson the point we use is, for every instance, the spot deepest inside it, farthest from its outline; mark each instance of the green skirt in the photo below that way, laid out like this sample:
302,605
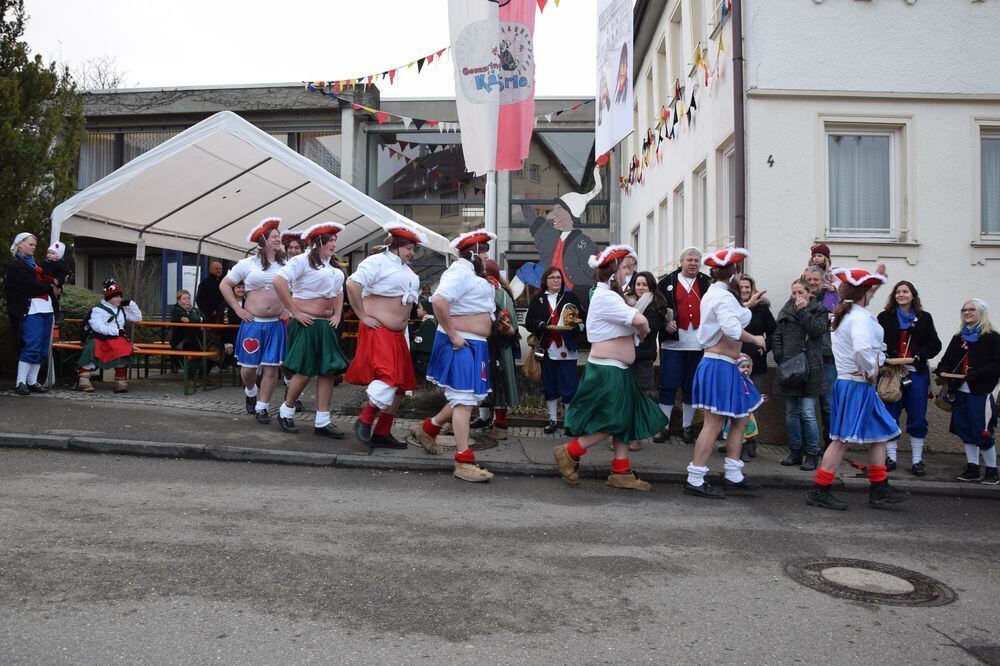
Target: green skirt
314,350
609,400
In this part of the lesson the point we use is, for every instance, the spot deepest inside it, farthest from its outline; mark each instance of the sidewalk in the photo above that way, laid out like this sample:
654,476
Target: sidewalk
156,419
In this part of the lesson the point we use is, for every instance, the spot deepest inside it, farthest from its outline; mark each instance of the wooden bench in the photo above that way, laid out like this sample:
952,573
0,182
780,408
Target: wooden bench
158,349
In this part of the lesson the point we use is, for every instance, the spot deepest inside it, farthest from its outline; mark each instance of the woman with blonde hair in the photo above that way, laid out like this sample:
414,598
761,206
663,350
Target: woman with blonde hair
971,368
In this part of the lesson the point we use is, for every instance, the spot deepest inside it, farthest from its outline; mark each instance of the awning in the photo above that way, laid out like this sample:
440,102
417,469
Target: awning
204,189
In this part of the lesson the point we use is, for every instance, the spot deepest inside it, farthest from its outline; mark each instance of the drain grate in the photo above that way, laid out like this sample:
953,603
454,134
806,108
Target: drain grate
869,582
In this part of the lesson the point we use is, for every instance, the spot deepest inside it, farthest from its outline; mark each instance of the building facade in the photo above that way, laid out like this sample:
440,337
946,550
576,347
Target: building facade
868,128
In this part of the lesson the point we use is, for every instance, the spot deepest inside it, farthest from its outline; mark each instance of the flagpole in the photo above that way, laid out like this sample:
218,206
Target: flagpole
491,208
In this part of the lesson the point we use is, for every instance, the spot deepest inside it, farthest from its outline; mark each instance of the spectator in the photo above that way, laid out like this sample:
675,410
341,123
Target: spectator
29,296
186,339
761,323
292,241
681,352
820,258
209,297
645,299
910,333
56,267
502,339
814,277
547,319
801,328
423,338
974,352
106,345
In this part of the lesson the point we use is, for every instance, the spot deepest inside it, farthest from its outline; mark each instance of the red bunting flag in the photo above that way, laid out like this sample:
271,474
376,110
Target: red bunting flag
438,54
356,107
541,5
381,116
430,58
432,123
392,76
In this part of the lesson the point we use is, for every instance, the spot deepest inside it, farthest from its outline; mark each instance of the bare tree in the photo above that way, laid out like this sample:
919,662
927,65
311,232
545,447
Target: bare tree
100,73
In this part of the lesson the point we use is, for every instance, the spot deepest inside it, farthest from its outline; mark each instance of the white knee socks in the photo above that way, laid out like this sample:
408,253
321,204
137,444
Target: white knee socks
734,470
917,444
33,373
688,415
972,454
484,413
22,372
990,456
890,449
667,410
553,409
696,475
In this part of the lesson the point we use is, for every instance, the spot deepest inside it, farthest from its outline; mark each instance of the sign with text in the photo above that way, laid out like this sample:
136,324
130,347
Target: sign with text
613,111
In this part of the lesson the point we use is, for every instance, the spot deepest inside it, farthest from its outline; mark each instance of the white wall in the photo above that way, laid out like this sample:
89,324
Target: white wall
697,146
873,45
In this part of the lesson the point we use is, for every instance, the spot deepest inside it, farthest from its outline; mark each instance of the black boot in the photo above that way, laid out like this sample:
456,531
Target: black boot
820,496
810,464
794,458
663,435
882,493
971,473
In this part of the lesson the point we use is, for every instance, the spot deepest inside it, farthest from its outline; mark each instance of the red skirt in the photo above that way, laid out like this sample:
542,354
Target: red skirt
382,354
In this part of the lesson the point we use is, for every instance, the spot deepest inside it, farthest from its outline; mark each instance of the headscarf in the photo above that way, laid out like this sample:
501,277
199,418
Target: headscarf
971,333
905,319
17,241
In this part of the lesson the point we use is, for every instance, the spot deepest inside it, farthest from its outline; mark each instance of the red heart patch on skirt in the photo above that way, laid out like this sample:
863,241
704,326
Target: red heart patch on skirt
251,345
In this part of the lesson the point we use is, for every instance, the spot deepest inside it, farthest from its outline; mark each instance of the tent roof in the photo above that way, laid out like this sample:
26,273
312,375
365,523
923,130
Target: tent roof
204,189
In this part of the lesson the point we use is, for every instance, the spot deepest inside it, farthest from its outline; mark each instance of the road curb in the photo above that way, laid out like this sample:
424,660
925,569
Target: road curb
441,464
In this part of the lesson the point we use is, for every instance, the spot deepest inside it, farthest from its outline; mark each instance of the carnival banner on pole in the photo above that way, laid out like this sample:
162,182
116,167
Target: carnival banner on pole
613,113
493,53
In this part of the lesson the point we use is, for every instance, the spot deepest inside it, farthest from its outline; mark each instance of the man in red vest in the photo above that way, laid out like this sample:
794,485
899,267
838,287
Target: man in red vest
680,351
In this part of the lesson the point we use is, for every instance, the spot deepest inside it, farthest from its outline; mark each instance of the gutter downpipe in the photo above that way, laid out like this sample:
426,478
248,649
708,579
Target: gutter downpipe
739,128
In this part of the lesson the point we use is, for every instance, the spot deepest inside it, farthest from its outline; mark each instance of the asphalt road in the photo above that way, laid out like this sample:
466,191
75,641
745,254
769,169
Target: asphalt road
111,559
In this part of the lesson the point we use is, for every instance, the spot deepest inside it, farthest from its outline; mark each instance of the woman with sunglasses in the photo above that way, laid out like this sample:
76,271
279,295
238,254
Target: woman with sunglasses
971,368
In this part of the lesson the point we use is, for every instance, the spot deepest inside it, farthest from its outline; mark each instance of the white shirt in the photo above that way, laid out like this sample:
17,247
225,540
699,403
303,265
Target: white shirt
385,274
858,345
307,282
251,273
609,316
40,305
466,292
106,324
721,315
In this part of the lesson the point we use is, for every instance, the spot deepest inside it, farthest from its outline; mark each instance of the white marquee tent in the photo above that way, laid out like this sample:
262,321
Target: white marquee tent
202,191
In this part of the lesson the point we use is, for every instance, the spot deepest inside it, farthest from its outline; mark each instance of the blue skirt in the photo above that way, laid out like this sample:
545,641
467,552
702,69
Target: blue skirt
720,388
858,416
467,369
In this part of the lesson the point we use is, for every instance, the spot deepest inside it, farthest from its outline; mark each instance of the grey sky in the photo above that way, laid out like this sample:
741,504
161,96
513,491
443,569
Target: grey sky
211,42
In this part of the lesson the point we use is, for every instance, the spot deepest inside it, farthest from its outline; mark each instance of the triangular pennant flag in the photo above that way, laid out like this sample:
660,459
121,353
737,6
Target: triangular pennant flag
438,54
432,123
392,76
410,64
420,64
419,123
575,107
557,2
676,118
677,89
430,58
402,145
548,117
368,81
541,5
407,159
407,122
693,106
356,107
688,114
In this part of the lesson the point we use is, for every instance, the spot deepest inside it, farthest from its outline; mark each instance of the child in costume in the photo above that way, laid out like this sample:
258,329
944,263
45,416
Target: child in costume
57,268
608,401
423,338
745,365
106,345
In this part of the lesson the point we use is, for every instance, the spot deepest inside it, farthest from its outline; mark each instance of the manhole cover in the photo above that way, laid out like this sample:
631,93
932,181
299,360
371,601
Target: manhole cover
870,582
447,442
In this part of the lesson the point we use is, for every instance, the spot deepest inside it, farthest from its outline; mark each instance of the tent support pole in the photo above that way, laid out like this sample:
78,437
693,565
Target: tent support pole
491,207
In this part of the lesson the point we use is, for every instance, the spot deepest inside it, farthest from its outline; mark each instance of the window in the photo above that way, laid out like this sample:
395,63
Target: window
649,258
989,187
728,195
534,173
449,210
663,234
634,240
662,78
323,148
674,43
97,159
137,143
650,112
703,238
862,181
698,26
679,235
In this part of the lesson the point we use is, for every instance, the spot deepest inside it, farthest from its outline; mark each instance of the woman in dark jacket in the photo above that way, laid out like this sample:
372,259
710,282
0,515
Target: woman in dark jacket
558,345
29,296
909,333
761,323
974,352
800,328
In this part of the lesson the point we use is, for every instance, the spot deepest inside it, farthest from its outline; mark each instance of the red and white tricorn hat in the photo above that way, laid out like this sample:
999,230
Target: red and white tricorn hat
406,232
722,258
611,253
289,235
470,238
859,277
263,229
322,229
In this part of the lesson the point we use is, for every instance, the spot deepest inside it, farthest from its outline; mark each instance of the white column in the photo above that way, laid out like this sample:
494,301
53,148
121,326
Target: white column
347,145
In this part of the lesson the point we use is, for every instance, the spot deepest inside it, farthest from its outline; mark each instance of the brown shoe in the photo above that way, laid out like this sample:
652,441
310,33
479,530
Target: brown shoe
472,473
627,482
497,433
83,383
426,442
121,386
569,468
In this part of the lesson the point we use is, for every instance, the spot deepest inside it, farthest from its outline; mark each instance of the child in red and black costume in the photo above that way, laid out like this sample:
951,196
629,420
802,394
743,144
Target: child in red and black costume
106,345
